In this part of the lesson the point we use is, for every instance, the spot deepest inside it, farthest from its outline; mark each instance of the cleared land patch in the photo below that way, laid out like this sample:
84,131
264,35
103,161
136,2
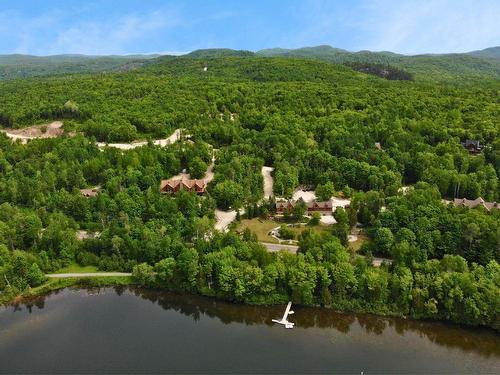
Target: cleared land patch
262,227
52,130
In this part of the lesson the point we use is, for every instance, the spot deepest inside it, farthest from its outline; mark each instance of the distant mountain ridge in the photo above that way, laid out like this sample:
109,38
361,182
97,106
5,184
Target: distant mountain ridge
218,52
492,52
310,51
473,65
482,64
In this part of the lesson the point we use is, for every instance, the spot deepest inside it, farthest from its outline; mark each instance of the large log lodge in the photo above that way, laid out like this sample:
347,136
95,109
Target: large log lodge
173,186
321,207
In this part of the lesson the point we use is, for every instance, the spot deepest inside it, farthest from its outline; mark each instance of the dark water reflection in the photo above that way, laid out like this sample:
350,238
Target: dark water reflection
118,330
483,341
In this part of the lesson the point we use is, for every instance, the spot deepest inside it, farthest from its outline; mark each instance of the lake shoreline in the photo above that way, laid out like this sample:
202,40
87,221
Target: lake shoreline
55,285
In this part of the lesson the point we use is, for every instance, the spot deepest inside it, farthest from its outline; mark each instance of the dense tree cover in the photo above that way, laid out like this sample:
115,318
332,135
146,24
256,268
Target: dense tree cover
22,66
418,226
238,180
322,120
18,270
41,207
380,70
317,125
440,68
324,273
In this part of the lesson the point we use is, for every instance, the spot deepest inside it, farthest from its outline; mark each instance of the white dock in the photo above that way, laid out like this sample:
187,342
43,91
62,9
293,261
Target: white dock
284,320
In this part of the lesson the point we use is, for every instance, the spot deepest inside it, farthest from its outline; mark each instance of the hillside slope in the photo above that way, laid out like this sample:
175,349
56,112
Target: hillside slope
22,66
446,67
257,69
492,52
468,67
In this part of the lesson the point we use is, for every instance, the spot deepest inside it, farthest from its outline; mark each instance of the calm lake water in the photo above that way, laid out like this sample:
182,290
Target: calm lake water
137,331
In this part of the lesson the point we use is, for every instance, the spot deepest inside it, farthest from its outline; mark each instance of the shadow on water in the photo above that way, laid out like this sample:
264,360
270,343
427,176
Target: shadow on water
482,341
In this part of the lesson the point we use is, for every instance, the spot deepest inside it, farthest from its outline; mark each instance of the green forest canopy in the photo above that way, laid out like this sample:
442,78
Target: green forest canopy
450,68
316,123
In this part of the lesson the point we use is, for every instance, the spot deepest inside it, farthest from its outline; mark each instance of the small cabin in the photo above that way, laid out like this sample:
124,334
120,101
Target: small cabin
91,192
473,146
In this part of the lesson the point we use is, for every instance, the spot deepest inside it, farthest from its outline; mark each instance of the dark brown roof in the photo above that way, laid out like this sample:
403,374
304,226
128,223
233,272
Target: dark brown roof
326,205
187,184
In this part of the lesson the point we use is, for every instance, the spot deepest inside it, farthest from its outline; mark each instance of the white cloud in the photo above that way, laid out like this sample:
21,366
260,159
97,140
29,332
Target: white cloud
112,37
431,26
405,26
47,33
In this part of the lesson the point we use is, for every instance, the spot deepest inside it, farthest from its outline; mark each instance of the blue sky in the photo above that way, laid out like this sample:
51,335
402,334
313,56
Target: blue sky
45,27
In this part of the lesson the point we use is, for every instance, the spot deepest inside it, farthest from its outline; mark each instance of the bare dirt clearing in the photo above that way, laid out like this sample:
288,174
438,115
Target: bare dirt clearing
52,130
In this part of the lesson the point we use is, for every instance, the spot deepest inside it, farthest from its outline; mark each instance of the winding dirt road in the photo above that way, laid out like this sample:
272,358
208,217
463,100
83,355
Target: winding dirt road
176,135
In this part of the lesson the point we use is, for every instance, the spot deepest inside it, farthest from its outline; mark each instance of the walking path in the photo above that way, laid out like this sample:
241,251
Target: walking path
209,174
54,129
86,274
273,247
268,181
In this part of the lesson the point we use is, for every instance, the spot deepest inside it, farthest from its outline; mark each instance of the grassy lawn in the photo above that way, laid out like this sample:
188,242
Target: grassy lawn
321,228
262,227
76,268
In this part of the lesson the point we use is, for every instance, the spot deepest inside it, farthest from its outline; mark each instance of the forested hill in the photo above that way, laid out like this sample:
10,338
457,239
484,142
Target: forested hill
392,147
238,68
22,66
218,52
446,67
468,67
492,52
